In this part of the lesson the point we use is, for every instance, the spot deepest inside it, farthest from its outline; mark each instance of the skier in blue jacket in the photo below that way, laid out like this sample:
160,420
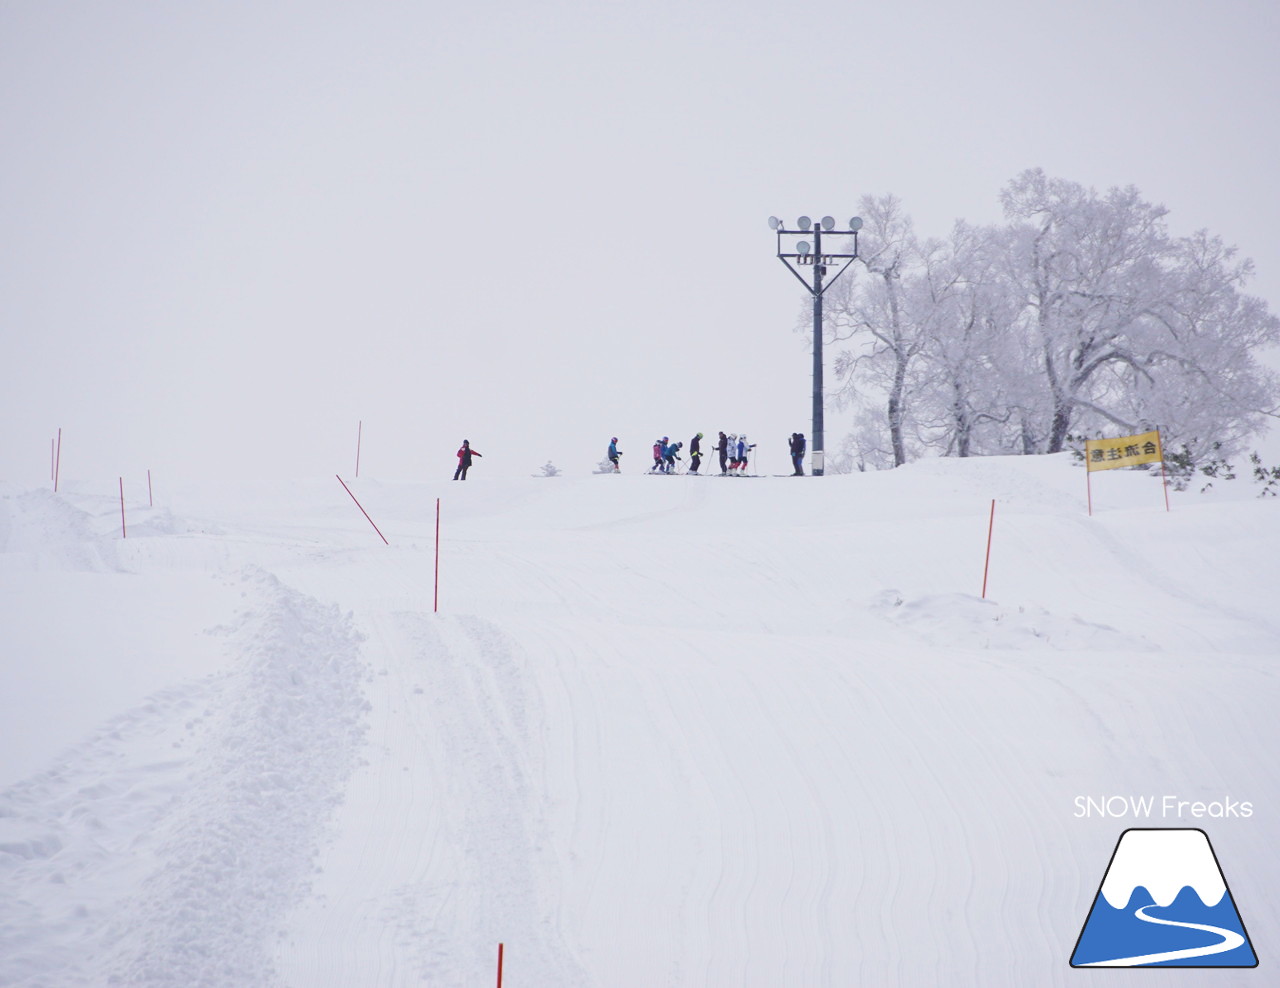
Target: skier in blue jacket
671,453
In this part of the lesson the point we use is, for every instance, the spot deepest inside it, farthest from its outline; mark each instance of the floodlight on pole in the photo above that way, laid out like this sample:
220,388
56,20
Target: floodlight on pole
813,255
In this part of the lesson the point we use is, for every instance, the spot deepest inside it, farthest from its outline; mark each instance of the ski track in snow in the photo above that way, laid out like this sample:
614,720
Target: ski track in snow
446,850
77,827
180,831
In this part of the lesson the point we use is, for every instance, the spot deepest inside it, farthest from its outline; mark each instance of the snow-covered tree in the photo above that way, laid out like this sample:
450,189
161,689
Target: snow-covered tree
1202,383
1134,328
967,401
878,314
1082,314
1088,270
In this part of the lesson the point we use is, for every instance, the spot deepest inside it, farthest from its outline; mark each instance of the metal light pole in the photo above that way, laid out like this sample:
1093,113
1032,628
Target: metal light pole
806,255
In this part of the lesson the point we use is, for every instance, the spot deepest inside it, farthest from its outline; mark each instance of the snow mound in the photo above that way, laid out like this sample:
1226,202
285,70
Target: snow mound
40,530
966,621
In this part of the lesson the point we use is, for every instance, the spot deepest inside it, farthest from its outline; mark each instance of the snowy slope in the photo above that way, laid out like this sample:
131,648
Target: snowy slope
663,730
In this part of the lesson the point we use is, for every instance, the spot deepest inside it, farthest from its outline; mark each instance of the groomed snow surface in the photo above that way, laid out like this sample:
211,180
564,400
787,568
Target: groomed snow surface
663,731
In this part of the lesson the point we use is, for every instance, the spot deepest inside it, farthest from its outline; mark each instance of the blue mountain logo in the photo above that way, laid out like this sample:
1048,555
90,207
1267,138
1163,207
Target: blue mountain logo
1164,902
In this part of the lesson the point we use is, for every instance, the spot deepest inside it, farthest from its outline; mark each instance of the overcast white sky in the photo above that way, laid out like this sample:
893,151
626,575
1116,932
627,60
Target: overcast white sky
230,231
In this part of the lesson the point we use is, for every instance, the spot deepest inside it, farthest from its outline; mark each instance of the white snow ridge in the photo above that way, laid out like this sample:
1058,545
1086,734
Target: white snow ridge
676,733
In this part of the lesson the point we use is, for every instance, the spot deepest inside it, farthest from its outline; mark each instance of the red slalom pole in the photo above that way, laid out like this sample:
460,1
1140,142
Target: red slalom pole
435,607
362,511
987,565
499,965
123,533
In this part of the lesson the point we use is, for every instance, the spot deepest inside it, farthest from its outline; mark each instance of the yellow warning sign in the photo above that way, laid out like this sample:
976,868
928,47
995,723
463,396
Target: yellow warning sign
1125,451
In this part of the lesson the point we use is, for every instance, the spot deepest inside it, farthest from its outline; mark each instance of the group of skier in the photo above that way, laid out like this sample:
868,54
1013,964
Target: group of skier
732,449
665,454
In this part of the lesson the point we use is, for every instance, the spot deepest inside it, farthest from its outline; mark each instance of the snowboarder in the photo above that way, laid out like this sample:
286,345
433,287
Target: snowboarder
464,460
695,453
797,453
614,454
722,447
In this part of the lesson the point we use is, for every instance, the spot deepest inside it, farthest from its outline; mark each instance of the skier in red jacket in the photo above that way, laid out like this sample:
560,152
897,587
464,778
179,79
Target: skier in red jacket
465,453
